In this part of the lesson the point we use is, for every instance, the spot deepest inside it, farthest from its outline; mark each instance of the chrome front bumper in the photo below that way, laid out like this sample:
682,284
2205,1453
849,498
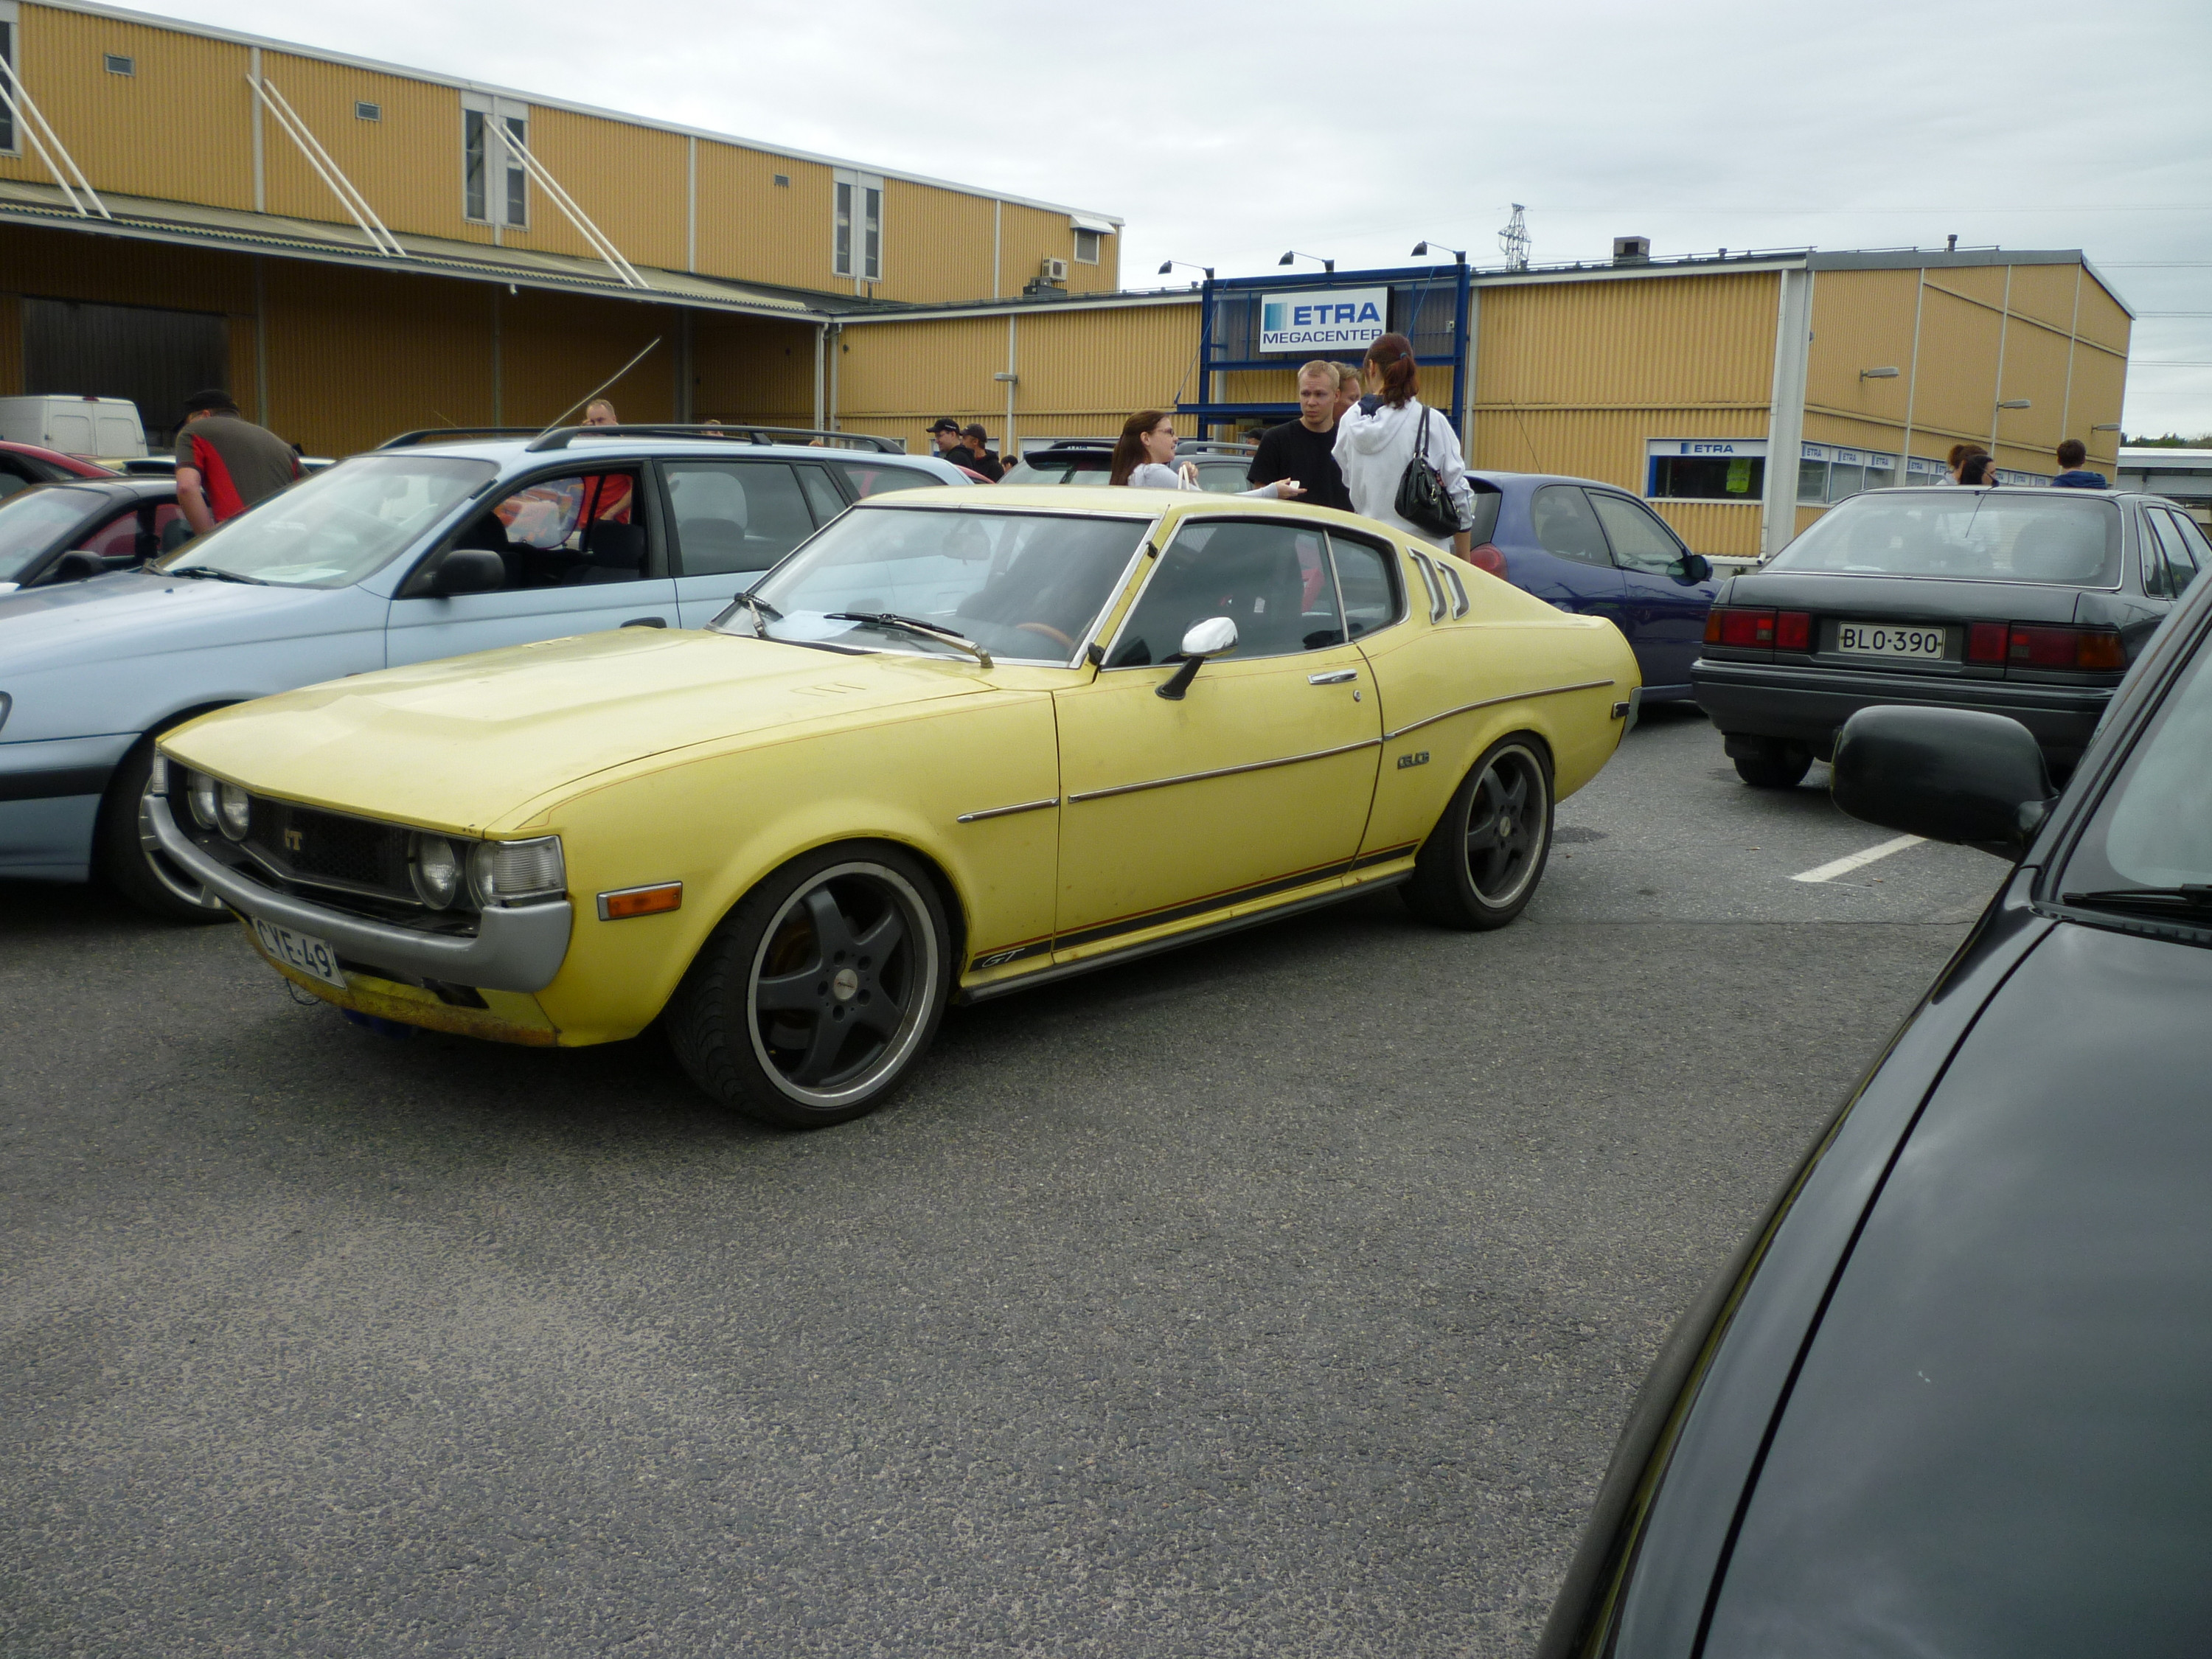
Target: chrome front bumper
519,949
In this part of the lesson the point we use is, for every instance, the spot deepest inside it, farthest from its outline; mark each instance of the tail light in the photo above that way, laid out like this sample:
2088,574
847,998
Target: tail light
1985,642
1793,631
2031,647
1487,557
1742,627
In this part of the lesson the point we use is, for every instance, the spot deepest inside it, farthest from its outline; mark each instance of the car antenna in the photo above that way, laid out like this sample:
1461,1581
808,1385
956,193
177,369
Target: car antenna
585,399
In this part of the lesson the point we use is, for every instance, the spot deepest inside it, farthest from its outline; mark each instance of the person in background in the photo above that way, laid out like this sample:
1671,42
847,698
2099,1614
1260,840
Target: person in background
1376,440
611,492
2071,454
1980,470
1960,454
600,413
1144,453
1348,389
225,463
945,431
1305,449
984,462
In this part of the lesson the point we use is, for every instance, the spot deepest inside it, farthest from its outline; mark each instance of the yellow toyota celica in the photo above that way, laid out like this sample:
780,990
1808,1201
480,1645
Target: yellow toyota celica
958,743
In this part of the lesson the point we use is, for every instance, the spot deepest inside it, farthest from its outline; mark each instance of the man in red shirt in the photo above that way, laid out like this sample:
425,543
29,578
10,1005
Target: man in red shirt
225,463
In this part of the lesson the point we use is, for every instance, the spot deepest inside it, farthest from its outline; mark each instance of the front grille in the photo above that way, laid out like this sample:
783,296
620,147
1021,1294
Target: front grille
327,848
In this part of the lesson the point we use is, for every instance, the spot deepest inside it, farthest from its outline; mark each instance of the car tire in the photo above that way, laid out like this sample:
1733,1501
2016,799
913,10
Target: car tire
1480,865
797,1011
1777,765
129,860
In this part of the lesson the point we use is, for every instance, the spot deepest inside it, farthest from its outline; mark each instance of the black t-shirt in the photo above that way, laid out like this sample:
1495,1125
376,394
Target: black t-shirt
986,463
1294,450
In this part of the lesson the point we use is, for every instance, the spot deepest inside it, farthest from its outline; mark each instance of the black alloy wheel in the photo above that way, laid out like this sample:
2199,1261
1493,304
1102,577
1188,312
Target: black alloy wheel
1480,865
813,999
130,857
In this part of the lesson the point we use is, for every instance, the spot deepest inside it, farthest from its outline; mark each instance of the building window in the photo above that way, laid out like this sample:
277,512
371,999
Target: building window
856,245
1705,468
8,73
495,187
119,64
1086,247
783,181
367,111
1827,474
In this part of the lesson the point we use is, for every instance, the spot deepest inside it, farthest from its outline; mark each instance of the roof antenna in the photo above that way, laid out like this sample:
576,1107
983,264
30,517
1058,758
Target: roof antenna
1951,243
1514,239
585,401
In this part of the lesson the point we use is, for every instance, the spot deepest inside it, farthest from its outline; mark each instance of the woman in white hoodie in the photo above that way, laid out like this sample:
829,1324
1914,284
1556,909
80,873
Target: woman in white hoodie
1376,439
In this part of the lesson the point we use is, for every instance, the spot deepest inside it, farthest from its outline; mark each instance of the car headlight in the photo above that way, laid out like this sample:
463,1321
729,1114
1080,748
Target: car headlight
436,869
513,872
199,789
235,808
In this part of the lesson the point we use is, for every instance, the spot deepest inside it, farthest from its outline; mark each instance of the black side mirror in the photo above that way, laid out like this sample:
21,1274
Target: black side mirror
468,570
75,567
1944,774
1696,568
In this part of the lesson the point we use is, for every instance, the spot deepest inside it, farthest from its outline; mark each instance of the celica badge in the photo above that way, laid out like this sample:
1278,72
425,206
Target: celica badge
1419,757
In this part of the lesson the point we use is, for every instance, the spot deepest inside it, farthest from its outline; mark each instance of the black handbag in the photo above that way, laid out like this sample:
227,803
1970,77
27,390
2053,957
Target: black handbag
1421,501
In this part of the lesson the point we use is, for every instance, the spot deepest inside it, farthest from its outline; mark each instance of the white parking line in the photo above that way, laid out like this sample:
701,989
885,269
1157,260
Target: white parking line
1844,866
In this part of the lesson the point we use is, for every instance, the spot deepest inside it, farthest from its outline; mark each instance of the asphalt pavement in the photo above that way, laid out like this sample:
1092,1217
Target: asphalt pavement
1278,1297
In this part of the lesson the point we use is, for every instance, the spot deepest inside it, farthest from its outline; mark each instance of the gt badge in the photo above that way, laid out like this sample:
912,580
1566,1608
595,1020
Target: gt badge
1420,757
293,840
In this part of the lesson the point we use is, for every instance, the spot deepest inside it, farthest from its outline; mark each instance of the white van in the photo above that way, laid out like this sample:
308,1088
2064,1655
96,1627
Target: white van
75,426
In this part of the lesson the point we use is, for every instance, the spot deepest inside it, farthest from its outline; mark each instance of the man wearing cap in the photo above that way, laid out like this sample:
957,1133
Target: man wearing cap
946,431
979,452
225,463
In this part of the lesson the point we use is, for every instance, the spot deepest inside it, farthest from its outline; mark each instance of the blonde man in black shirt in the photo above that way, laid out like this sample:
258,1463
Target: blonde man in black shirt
1305,449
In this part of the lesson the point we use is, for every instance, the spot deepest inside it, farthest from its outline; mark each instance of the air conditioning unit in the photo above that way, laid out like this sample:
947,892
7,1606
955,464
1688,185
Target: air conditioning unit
1053,270
1632,250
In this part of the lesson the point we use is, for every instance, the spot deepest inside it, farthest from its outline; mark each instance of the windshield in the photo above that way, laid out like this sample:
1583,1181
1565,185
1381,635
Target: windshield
340,525
30,523
1026,587
2153,828
2051,537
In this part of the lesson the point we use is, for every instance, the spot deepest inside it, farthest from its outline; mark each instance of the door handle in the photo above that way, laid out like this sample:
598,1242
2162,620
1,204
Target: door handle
646,622
1334,676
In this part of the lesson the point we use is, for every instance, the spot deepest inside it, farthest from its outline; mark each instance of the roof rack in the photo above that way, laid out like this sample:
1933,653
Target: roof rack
558,437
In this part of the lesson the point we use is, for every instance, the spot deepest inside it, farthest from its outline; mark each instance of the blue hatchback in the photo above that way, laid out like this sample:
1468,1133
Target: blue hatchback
1589,547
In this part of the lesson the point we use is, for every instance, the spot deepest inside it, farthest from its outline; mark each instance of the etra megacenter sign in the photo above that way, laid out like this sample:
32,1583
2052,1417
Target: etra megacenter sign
1329,320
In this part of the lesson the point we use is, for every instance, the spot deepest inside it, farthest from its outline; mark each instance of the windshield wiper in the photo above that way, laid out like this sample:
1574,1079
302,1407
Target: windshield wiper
211,573
892,619
2190,899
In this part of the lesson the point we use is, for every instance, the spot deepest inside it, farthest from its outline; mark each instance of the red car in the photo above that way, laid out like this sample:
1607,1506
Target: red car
28,464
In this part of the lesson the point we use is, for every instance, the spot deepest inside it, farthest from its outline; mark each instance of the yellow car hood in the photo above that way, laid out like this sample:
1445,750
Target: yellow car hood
460,744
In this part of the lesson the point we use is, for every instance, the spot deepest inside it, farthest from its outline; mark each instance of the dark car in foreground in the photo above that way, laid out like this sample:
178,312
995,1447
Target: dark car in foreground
58,533
2030,604
1589,547
1955,1395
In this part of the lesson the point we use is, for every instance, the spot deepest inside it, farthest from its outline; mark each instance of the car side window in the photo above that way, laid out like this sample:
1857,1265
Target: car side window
13,475
867,480
1565,525
1270,579
116,539
564,532
1640,540
735,516
1368,575
822,494
2200,550
2180,563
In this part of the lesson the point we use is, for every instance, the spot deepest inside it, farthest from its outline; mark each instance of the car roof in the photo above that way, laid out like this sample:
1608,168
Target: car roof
136,484
513,453
1506,483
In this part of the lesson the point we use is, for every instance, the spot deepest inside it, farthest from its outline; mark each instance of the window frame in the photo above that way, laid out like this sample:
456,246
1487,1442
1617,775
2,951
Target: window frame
645,492
11,47
1605,542
1112,643
509,174
1393,577
673,542
856,214
1681,549
1097,246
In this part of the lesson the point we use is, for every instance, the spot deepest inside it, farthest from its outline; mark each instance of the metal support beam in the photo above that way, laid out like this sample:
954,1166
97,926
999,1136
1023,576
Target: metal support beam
1785,418
348,196
47,145
624,271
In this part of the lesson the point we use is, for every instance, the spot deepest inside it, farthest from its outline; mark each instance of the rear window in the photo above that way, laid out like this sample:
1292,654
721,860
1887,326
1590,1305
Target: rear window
1087,467
1487,500
2052,538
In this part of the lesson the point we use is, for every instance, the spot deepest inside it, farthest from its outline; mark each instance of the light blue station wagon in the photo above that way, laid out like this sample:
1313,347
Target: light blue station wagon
423,548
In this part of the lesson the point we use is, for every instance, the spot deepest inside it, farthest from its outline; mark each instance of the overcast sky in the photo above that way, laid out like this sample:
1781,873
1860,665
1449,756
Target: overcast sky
1227,131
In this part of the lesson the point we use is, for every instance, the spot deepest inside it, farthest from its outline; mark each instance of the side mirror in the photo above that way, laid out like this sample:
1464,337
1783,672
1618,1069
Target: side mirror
468,570
77,567
1207,639
1696,568
1946,774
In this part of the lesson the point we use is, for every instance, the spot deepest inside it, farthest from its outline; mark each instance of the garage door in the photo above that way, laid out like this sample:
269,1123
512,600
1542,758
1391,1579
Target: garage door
155,358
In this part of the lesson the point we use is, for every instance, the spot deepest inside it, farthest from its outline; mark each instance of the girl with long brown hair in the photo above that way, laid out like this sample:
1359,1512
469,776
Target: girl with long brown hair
1144,455
1378,435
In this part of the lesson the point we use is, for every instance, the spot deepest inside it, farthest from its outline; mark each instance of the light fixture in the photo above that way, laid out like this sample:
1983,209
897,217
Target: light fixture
2015,402
1166,266
436,870
235,808
1889,374
1458,254
2105,426
1328,265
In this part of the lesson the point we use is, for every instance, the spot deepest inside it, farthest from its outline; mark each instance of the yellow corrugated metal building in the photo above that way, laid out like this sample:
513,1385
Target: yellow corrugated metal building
358,249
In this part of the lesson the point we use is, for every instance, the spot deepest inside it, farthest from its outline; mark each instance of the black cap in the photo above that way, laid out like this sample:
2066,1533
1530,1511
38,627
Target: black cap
211,402
945,423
